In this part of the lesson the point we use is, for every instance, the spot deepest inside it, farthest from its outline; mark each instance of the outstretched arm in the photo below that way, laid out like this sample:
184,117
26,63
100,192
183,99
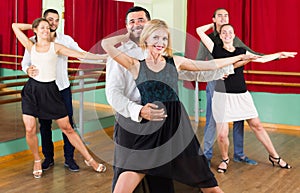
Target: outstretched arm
63,50
70,43
241,63
199,65
278,55
18,29
204,38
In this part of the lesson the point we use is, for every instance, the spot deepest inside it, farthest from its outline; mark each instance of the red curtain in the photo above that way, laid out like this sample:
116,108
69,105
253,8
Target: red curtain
275,26
265,26
22,11
90,22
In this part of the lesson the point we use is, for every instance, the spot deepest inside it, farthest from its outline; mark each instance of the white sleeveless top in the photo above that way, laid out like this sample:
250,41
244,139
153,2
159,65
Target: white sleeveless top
45,62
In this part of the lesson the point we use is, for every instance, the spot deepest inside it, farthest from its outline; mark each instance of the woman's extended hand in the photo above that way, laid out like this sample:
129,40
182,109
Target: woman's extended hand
287,55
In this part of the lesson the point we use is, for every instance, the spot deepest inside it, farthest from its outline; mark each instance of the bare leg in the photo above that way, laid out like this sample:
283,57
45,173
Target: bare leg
216,189
262,135
76,141
223,143
127,182
32,141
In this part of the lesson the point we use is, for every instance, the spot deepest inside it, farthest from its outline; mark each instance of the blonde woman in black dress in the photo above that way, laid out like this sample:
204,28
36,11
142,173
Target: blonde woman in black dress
167,148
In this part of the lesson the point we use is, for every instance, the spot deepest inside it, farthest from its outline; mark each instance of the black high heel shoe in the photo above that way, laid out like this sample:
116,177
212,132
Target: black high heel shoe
274,160
223,170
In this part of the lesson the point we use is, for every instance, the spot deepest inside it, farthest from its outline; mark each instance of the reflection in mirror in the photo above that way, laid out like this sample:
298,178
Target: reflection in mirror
12,82
11,121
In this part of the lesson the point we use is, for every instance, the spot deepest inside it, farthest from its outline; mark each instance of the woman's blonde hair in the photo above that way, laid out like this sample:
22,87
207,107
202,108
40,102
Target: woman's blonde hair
152,26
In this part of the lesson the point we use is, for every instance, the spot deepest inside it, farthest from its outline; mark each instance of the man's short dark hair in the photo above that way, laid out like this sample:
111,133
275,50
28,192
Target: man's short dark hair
49,11
218,9
136,9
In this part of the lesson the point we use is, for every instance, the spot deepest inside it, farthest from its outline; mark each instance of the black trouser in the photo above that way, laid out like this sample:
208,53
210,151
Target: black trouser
46,133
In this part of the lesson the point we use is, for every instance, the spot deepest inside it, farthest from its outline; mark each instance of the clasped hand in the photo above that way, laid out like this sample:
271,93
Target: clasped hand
151,112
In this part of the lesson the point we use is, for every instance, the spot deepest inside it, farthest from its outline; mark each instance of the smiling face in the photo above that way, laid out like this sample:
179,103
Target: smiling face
53,20
155,38
158,41
135,22
227,34
41,28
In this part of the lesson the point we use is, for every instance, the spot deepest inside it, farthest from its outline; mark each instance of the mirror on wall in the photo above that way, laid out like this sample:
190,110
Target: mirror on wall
11,115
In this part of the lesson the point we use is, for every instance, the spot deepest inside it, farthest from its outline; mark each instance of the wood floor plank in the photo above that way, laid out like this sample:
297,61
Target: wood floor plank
16,177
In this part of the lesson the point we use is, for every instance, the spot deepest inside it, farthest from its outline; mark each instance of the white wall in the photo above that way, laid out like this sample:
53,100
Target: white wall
174,13
59,6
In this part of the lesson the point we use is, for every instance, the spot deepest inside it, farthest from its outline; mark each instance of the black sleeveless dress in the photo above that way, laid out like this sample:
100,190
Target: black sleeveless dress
168,148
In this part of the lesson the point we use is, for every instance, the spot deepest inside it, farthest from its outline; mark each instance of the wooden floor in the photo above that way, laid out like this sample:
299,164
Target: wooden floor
16,177
12,126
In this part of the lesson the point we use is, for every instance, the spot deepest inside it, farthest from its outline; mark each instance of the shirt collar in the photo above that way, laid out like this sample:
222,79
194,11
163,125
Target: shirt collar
130,45
58,35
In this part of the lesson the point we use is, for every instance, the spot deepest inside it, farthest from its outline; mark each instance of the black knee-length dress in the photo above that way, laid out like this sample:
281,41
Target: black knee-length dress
166,148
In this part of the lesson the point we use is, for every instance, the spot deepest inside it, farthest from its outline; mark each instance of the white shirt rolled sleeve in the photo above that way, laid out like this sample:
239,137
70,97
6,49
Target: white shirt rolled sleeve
121,91
206,76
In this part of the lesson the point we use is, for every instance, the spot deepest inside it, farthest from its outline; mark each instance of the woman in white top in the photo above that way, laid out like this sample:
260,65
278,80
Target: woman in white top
40,95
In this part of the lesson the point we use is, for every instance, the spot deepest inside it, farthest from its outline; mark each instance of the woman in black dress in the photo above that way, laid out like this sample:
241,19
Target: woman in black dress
232,101
167,148
40,95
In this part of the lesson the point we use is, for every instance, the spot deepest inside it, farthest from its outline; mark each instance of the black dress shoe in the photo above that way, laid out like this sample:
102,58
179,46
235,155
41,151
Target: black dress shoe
47,164
71,165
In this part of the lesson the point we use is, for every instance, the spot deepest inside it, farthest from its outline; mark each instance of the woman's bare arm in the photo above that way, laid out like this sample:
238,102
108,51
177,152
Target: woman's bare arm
270,57
63,50
204,38
108,45
199,65
18,29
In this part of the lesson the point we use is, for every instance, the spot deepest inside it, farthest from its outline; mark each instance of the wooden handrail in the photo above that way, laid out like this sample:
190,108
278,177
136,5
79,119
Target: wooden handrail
85,82
13,100
85,70
11,56
88,89
17,99
9,92
271,73
10,63
274,83
13,77
12,84
85,76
